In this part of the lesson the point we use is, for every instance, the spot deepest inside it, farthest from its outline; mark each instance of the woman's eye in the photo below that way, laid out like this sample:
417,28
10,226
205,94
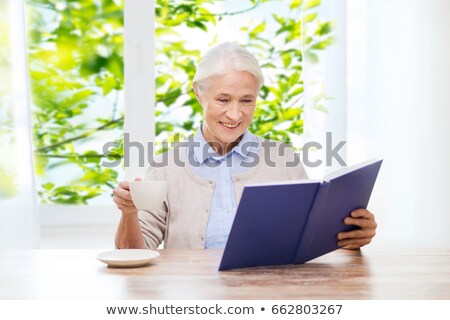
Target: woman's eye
247,101
223,100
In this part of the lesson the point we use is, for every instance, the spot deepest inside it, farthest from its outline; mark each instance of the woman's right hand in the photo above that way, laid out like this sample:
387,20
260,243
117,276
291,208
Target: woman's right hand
122,198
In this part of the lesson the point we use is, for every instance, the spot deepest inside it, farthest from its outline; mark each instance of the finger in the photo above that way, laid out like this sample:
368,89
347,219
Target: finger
128,203
360,222
352,247
354,243
122,193
137,179
118,202
361,213
356,234
123,202
125,208
125,184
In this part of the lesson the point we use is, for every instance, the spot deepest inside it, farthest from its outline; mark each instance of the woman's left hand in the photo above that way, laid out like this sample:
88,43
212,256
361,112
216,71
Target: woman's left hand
358,238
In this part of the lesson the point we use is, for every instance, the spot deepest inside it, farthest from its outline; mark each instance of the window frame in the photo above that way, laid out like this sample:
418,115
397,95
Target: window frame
139,92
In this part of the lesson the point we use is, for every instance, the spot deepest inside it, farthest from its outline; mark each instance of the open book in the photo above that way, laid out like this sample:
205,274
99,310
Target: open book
296,221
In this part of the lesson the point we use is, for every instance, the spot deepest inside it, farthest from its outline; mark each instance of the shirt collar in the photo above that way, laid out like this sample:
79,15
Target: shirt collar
247,143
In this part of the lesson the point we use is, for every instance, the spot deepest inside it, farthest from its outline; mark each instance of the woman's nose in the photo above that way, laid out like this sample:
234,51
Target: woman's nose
234,111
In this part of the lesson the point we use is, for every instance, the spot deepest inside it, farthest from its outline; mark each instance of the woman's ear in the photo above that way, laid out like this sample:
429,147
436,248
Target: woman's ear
197,93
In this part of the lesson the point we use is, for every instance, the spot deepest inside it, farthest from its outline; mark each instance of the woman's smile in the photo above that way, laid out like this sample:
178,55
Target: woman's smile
230,126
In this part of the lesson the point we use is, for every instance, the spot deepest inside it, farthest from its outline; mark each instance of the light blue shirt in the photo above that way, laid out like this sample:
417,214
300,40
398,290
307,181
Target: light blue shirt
220,169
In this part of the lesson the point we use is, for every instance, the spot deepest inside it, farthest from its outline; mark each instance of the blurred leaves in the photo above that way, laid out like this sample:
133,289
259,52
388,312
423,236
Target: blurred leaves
75,55
280,107
8,187
8,173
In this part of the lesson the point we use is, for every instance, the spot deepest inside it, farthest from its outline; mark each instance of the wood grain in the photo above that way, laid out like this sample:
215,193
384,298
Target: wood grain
192,274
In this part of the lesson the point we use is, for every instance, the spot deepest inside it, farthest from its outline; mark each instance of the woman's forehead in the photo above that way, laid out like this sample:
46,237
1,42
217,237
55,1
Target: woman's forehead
233,82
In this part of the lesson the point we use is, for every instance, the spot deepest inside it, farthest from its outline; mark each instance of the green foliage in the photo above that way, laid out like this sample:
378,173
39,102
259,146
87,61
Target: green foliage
8,188
8,175
280,107
76,58
75,53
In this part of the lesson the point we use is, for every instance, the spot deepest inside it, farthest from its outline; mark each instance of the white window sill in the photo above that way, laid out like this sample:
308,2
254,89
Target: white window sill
71,216
78,237
78,227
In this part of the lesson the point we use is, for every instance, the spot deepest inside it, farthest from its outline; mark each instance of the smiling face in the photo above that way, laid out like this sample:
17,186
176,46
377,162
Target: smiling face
228,105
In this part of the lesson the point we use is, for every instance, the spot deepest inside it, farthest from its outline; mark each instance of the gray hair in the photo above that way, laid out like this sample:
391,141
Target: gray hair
223,57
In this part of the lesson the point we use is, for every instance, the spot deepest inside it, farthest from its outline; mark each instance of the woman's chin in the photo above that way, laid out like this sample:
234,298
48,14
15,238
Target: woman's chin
231,135
230,138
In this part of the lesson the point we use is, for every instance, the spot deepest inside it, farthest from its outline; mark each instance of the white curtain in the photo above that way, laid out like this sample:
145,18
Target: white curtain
139,84
19,227
387,77
398,110
327,77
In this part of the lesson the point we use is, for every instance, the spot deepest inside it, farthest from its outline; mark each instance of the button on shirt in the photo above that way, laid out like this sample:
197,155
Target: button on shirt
220,170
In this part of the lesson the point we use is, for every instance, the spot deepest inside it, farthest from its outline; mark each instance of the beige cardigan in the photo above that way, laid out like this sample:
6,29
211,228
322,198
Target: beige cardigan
181,221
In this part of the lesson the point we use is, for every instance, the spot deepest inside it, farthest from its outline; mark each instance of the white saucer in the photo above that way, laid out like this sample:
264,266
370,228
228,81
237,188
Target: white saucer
127,257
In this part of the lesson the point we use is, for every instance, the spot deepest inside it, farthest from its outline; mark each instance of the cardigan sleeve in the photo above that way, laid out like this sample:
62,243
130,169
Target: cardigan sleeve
290,162
153,223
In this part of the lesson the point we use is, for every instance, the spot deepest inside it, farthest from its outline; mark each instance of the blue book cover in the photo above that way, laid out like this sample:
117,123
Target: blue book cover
296,221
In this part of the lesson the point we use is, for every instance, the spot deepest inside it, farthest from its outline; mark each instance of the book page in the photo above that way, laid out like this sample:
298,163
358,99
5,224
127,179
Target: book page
280,183
344,171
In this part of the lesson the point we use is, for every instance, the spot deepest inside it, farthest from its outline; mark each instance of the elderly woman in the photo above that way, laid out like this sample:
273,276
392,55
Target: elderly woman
206,175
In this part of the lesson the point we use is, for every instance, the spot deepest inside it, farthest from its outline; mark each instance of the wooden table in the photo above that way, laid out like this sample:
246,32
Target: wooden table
192,274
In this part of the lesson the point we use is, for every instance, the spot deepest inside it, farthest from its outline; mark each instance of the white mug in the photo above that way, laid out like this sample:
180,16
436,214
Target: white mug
148,194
